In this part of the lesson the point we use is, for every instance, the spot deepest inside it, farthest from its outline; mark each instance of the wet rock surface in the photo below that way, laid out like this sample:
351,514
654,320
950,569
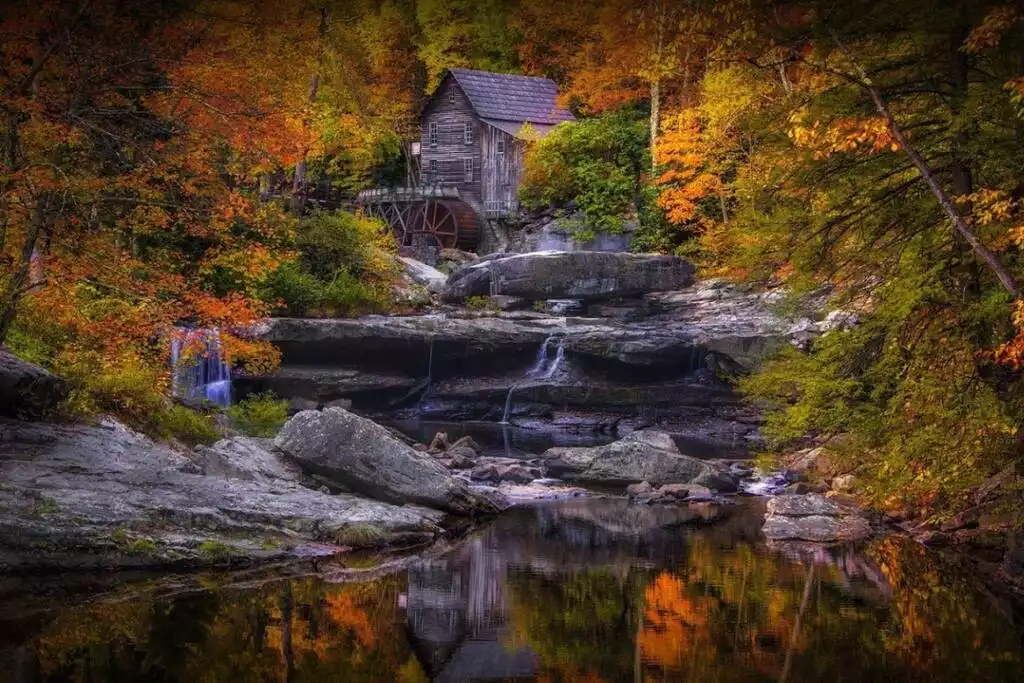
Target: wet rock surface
77,496
365,457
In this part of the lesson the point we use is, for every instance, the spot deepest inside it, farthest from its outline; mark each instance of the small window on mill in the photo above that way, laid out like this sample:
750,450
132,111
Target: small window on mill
451,96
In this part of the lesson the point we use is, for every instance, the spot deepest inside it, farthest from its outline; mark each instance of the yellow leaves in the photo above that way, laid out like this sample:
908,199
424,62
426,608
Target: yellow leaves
848,135
685,182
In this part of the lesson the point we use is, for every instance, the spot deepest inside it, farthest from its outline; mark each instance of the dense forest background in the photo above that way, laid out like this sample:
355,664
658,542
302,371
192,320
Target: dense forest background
155,159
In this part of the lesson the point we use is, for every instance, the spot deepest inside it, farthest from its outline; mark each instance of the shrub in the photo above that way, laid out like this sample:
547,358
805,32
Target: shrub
345,266
291,290
260,415
595,165
479,303
187,425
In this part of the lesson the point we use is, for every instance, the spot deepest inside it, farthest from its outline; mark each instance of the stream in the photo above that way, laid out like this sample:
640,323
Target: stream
581,590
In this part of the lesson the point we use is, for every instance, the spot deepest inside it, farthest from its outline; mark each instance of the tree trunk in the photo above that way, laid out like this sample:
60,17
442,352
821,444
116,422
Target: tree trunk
655,122
960,225
299,182
19,283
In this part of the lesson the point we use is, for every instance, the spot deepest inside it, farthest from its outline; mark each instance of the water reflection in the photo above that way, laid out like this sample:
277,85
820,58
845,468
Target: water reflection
573,591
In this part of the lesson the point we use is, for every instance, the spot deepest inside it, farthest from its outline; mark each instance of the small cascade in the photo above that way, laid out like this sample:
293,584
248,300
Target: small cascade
197,370
545,366
508,405
557,362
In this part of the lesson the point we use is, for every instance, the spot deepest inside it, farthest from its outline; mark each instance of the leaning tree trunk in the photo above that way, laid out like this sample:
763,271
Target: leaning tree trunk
960,225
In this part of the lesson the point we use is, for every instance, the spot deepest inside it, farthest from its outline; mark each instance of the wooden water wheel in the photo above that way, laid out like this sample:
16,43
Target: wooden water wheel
435,219
451,224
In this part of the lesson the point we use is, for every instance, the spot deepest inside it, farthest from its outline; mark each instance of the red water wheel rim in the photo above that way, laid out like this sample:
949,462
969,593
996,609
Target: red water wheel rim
441,221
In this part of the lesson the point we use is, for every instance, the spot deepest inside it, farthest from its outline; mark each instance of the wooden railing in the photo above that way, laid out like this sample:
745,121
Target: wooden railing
408,194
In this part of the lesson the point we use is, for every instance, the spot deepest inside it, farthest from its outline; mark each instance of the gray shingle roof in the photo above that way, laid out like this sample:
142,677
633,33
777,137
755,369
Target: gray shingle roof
507,97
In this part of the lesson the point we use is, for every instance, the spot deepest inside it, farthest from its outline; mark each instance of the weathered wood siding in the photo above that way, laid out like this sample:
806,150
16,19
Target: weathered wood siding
501,169
451,150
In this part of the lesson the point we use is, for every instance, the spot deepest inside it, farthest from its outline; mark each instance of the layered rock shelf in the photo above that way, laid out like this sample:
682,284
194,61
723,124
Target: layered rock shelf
655,359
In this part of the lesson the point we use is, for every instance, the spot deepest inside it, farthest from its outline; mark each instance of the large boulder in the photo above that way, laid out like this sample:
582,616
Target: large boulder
87,496
363,456
814,518
586,275
645,455
27,390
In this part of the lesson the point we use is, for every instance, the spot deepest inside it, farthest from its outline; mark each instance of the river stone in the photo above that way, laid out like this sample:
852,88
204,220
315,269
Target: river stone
816,528
363,456
423,274
803,506
636,458
86,496
813,517
27,390
583,275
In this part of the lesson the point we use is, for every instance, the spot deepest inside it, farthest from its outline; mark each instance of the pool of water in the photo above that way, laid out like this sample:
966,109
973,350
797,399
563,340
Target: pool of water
583,590
514,441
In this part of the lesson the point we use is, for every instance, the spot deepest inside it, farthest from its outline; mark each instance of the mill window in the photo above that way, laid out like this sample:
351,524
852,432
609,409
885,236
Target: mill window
468,166
467,133
433,134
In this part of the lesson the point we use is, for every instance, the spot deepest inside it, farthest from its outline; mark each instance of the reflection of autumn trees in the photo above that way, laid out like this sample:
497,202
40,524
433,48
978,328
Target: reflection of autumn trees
737,614
724,612
299,631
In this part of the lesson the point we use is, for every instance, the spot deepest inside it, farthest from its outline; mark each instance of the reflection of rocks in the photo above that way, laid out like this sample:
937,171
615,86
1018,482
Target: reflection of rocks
812,517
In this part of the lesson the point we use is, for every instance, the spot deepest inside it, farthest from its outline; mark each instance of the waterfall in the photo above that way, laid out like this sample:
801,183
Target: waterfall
544,366
542,359
197,370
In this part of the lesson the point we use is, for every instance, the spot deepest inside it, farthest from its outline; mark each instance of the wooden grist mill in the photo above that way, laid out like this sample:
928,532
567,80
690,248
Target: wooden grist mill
474,131
435,216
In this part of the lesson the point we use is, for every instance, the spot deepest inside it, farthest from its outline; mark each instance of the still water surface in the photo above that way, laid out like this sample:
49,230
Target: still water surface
571,591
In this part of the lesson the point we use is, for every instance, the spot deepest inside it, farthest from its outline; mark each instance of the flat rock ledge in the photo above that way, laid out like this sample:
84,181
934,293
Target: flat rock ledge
813,518
102,496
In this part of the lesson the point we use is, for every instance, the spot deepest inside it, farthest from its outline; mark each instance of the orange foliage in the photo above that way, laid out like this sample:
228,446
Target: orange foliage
674,623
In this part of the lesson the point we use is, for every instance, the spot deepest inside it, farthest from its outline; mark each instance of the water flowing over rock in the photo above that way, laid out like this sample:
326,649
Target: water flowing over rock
363,456
569,275
644,455
101,495
813,517
27,390
197,370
